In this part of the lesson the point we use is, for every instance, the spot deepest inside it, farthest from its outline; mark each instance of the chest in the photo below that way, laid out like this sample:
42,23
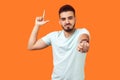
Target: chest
62,44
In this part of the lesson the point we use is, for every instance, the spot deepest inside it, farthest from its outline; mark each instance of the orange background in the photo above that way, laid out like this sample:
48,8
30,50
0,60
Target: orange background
100,17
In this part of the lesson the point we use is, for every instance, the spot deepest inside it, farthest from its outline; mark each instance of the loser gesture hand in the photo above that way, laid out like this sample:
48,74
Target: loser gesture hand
39,21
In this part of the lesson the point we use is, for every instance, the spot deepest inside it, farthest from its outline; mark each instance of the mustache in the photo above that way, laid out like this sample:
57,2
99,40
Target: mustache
67,24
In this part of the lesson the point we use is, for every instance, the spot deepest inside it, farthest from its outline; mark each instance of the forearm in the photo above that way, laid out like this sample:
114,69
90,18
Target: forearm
84,37
33,43
33,37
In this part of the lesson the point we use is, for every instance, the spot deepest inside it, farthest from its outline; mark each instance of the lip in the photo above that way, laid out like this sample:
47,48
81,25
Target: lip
68,25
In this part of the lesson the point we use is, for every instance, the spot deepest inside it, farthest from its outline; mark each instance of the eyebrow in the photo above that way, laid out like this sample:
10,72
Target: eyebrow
67,17
62,18
70,17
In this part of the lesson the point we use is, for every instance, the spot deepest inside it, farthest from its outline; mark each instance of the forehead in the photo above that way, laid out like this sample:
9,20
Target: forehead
66,14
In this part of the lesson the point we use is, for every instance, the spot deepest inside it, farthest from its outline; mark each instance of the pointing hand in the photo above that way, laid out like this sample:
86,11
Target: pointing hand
83,46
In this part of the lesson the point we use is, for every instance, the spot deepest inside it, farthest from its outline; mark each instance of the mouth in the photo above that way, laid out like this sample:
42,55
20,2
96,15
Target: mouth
67,25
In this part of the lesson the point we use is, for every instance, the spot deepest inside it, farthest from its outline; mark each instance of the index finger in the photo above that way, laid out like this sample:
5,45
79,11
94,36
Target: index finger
43,13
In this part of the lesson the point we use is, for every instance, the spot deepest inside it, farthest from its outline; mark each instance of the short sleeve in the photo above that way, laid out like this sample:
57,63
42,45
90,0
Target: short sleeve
84,31
47,38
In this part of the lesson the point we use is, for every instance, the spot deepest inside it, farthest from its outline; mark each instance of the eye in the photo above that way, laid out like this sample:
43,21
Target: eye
63,19
70,17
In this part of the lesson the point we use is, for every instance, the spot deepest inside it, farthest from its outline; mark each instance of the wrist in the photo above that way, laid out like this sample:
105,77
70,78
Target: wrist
36,25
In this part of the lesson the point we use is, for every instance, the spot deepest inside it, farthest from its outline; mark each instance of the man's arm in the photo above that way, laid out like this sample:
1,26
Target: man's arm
33,43
83,43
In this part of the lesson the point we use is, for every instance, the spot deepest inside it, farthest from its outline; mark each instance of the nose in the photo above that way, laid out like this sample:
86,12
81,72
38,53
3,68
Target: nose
67,21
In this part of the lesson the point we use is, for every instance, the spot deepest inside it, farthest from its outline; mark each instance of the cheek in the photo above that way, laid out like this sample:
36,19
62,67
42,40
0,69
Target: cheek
73,22
62,23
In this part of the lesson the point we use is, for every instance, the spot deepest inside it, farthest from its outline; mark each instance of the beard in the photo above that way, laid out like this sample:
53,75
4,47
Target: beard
68,28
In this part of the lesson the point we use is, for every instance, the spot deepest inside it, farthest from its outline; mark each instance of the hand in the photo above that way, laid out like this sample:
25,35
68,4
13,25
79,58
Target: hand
40,20
83,46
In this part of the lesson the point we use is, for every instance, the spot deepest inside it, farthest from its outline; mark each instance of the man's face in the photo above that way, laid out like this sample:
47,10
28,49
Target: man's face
67,21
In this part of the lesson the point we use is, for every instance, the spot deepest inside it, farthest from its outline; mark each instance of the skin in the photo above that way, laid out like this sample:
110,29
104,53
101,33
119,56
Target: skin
83,43
67,21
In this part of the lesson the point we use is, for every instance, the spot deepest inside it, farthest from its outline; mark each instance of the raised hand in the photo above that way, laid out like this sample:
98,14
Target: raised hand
40,20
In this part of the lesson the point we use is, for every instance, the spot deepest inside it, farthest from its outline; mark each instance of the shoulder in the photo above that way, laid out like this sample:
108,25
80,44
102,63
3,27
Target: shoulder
83,31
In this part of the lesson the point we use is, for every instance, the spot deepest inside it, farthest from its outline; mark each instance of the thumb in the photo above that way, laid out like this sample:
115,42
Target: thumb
46,21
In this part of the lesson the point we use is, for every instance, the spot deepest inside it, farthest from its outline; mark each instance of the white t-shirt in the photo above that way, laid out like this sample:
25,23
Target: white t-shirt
68,62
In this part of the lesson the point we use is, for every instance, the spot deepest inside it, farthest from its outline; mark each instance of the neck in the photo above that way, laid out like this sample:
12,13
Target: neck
68,34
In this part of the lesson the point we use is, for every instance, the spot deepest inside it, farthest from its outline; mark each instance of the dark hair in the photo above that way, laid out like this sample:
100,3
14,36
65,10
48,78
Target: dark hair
66,8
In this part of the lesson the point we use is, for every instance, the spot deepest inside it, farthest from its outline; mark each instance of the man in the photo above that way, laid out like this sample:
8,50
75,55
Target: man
69,45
